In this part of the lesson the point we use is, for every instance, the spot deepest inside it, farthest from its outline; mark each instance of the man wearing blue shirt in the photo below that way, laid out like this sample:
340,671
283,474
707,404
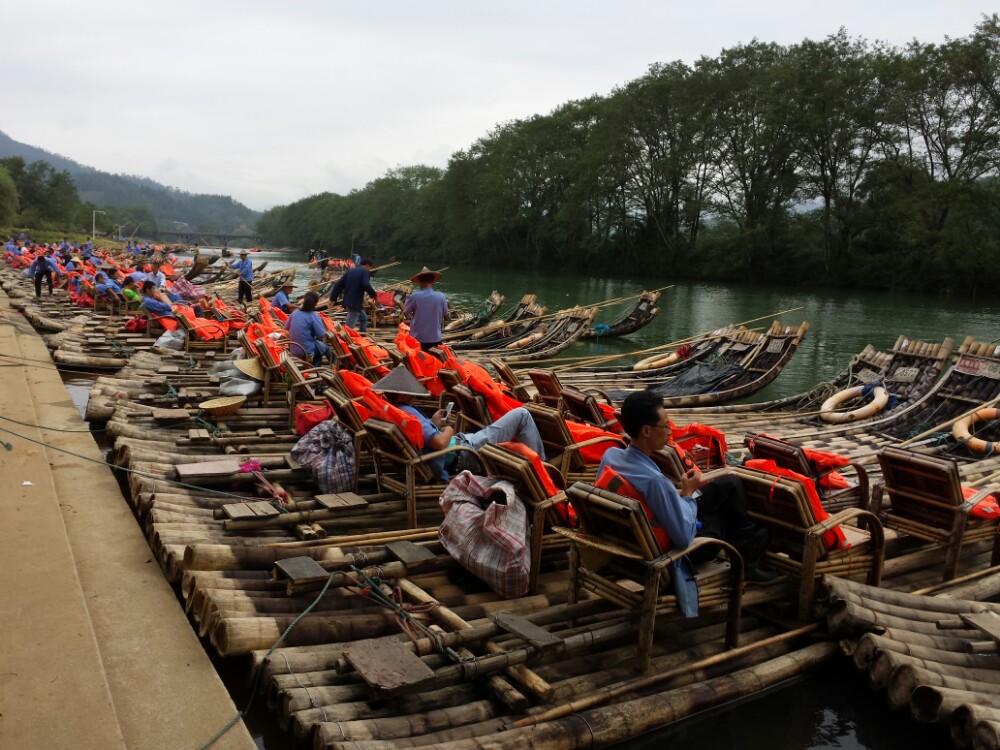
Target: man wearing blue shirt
152,304
716,508
42,268
427,308
245,267
281,301
354,285
306,331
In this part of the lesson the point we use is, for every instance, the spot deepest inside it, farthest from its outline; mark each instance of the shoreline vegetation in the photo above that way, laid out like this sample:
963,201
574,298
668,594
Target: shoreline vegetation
833,163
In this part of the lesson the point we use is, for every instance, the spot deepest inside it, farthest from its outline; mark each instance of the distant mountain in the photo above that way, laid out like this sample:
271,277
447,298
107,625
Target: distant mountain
214,212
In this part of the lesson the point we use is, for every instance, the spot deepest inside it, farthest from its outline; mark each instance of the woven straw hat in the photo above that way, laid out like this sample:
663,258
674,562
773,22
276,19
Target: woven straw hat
425,272
400,381
250,367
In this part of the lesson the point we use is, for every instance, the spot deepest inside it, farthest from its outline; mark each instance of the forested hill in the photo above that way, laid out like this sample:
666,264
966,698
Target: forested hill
208,212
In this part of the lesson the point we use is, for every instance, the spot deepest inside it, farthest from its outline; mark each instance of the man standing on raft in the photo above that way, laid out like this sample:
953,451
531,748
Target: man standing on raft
427,308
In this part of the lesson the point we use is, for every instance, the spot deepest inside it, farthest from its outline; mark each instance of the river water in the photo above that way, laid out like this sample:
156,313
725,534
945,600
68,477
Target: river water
842,322
834,707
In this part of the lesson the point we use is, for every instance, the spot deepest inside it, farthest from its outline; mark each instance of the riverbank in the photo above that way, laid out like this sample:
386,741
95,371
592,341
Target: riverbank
97,652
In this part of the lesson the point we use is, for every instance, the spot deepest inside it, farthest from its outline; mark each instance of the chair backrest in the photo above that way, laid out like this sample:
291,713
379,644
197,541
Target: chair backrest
616,519
345,410
449,378
548,387
472,407
507,376
551,427
786,455
780,504
390,443
669,463
583,407
924,488
520,471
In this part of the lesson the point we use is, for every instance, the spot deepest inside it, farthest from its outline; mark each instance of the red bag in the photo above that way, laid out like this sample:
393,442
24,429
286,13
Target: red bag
308,416
136,324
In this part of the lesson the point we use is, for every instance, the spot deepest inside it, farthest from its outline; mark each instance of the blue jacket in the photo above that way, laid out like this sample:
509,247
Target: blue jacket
245,267
353,284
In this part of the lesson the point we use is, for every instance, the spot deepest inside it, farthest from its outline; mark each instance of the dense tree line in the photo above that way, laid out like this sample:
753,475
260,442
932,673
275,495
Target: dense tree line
840,162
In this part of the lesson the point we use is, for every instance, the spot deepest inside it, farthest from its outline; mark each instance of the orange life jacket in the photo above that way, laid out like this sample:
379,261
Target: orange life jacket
834,538
707,442
615,482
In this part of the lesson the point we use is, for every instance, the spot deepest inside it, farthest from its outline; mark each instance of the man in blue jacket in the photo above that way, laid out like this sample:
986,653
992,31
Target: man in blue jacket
245,267
354,284
42,268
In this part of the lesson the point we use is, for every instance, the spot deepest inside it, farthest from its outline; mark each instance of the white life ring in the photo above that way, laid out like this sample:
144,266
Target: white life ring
962,431
828,411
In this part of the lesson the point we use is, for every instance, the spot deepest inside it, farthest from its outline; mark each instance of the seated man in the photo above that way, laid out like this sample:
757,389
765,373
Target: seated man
280,299
716,508
153,303
401,387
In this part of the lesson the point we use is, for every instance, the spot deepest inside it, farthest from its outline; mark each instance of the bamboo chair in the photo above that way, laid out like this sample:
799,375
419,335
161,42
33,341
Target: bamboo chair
303,385
615,555
925,493
781,505
274,379
583,407
473,414
790,456
402,469
196,330
519,471
345,411
560,450
548,389
507,376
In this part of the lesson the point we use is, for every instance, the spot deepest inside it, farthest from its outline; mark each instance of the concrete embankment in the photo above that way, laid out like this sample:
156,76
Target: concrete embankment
96,651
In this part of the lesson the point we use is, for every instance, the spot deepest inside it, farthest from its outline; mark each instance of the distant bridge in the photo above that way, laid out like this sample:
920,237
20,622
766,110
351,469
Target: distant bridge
204,238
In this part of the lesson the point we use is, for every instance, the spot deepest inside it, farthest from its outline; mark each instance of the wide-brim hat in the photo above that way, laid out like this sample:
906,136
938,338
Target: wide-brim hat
287,284
244,252
400,381
425,272
252,368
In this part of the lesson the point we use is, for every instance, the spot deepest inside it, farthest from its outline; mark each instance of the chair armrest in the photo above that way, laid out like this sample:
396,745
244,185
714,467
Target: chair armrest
673,555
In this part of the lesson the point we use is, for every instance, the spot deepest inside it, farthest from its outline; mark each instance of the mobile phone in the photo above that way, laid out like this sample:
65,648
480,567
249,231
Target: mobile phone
447,409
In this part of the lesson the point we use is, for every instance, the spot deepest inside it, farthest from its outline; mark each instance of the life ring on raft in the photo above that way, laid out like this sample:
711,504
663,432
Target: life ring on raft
962,431
828,411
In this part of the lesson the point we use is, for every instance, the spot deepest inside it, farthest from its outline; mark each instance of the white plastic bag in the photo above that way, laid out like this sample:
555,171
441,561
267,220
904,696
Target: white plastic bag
170,340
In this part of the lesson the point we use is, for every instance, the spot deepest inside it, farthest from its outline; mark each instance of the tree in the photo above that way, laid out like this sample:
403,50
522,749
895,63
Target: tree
8,198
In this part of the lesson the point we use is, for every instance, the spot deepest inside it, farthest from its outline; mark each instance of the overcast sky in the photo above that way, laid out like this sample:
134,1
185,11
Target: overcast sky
270,102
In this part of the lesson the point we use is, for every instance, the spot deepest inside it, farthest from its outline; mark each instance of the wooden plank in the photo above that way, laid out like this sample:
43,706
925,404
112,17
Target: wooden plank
409,553
339,500
387,665
265,432
537,636
199,434
170,415
988,622
263,509
207,469
300,570
238,510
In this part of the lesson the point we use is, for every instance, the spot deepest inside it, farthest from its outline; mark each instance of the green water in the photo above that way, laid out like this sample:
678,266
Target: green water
842,322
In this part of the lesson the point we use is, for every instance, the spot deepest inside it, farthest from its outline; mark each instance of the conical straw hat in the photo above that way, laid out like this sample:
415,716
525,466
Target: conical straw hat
250,367
400,381
425,271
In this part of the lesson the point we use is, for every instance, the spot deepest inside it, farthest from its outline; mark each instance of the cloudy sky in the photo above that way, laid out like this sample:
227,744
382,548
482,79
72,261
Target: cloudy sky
269,102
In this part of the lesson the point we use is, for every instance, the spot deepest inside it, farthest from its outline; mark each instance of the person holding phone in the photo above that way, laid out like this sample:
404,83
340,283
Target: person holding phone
716,508
402,388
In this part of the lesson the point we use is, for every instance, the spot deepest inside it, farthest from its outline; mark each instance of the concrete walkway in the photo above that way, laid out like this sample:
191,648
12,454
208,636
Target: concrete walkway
96,651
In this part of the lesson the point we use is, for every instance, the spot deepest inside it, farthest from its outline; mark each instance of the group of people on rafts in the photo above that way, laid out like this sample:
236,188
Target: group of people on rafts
714,508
